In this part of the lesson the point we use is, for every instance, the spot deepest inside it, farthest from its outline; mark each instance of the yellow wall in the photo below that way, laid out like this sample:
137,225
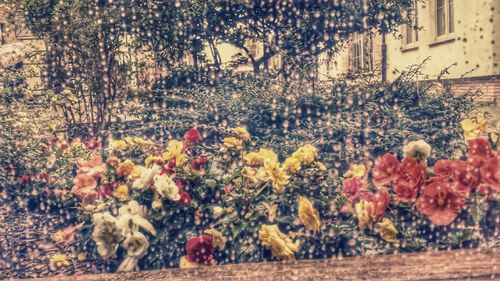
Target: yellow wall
470,46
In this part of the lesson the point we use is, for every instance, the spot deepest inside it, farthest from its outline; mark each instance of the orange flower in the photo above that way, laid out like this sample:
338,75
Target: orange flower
93,167
84,186
125,168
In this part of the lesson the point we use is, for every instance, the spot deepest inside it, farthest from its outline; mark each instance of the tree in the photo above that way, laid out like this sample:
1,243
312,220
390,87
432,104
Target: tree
301,29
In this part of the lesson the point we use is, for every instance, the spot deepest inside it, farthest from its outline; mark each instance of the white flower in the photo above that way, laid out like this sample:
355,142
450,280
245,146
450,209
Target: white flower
147,178
106,234
131,218
419,150
166,187
51,161
136,244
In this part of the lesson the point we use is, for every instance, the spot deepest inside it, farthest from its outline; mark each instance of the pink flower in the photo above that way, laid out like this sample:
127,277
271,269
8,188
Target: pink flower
386,170
439,202
84,185
355,189
93,167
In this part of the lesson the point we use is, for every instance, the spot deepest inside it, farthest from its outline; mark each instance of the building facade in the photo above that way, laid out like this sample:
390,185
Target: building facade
458,35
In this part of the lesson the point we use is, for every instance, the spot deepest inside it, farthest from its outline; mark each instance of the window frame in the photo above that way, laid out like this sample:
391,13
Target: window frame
448,21
361,63
405,45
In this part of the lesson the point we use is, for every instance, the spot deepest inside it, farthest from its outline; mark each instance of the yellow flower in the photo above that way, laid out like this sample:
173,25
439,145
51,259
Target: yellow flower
180,160
233,142
242,133
277,175
58,237
320,166
258,158
125,168
495,133
306,154
121,192
58,260
157,204
388,231
77,142
185,263
254,175
217,211
119,145
280,244
473,130
136,173
356,170
292,165
271,211
152,159
219,240
174,149
308,214
364,209
82,256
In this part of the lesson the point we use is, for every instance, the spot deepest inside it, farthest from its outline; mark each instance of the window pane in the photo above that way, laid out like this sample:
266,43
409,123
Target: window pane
440,17
409,34
416,21
451,20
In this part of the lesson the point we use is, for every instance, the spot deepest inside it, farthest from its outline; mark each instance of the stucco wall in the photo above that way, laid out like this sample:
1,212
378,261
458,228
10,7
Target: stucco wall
470,46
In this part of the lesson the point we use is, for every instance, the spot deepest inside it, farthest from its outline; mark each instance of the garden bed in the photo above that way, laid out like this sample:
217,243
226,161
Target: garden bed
445,265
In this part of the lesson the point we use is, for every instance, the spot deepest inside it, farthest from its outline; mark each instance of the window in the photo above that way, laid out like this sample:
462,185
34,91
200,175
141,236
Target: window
445,13
361,51
411,30
1,34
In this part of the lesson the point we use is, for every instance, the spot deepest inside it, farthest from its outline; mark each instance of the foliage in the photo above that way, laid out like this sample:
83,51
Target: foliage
252,206
348,118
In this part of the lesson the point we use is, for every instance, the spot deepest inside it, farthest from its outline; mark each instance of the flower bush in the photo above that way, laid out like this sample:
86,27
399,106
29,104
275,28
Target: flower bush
188,204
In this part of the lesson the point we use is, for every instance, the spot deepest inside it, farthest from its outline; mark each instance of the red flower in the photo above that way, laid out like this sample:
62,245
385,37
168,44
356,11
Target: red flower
490,174
410,179
108,189
198,163
200,249
185,196
464,178
439,202
386,169
380,202
169,167
44,177
444,168
354,189
25,179
191,137
479,150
